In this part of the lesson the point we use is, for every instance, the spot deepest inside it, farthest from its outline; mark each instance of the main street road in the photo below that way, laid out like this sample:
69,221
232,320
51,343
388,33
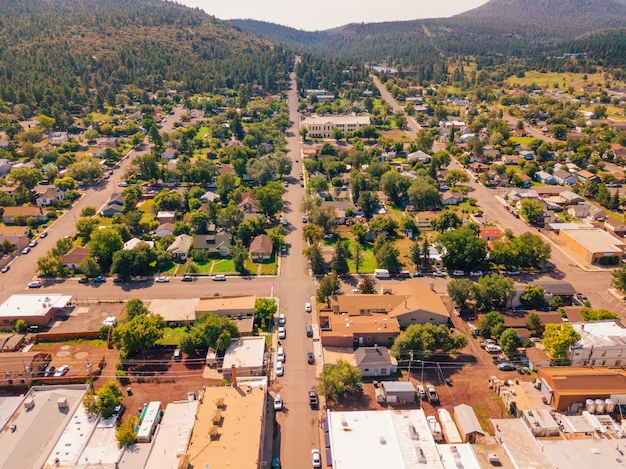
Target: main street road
412,127
294,287
24,266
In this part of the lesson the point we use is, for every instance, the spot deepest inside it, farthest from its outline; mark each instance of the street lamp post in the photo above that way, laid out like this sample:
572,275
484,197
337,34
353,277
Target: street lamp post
410,361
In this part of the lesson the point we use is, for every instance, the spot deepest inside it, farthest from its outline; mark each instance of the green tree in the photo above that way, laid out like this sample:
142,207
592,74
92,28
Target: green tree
415,254
312,233
265,309
337,134
447,220
424,140
339,261
239,254
491,325
88,212
387,257
303,132
589,314
339,380
357,256
140,333
103,402
533,295
167,200
49,266
427,339
368,201
85,226
328,286
533,323
359,231
89,267
27,177
555,303
270,198
199,222
464,249
367,286
126,433
494,292
63,246
559,338
619,278
455,176
509,340
392,183
133,308
277,235
104,243
461,291
532,210
21,326
226,185
66,184
423,195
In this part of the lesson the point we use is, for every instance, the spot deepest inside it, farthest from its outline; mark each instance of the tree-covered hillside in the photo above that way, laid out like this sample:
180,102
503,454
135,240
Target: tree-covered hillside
53,51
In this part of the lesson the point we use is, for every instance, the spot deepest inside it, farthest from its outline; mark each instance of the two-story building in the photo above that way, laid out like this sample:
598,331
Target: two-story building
602,343
323,127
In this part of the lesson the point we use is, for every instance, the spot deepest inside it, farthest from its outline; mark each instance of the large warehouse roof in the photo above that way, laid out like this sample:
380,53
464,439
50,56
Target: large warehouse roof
24,305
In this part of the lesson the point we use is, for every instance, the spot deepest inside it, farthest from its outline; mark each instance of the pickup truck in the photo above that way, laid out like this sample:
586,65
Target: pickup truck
138,279
433,397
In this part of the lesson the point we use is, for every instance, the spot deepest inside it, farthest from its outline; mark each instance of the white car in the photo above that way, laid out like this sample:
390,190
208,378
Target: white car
162,279
439,273
280,355
476,273
280,370
34,284
26,250
62,370
278,402
513,272
219,278
123,184
356,291
458,273
282,319
282,332
307,307
316,458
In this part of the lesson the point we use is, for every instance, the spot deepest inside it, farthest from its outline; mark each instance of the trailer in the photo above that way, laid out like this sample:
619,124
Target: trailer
149,421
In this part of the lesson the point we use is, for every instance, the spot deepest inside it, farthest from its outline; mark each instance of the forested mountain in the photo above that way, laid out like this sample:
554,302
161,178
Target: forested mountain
281,34
53,51
491,33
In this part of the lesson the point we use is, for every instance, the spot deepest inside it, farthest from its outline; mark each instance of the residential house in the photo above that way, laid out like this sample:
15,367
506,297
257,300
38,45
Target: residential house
261,248
478,168
452,198
323,127
249,207
169,154
58,138
544,177
423,219
216,243
564,178
523,180
375,361
587,176
527,155
510,159
489,234
341,207
587,210
114,205
500,180
27,212
5,166
165,229
616,227
74,257
491,154
419,156
164,216
209,196
537,358
50,196
180,248
570,197
515,195
18,236
134,242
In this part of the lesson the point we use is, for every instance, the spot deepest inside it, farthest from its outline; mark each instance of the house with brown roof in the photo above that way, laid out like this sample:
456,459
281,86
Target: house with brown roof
27,212
261,248
18,236
423,219
216,243
165,229
74,257
537,358
616,227
249,207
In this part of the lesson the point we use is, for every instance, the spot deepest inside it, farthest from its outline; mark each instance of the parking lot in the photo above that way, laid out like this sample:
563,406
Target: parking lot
78,354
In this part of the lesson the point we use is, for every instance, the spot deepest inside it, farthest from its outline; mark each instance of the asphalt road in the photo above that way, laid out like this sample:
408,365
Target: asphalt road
412,127
23,268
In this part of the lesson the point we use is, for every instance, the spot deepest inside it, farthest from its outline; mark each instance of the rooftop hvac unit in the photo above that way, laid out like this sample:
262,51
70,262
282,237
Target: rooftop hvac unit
413,432
420,454
29,404
62,403
344,422
382,440
454,450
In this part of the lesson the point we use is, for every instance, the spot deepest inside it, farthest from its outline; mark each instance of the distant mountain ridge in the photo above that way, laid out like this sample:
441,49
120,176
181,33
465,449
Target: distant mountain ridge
499,28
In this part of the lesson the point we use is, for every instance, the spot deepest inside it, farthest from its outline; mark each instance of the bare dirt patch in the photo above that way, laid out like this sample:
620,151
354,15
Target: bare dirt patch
76,354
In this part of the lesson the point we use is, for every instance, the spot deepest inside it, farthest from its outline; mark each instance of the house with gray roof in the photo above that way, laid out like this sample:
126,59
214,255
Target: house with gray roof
375,361
180,248
216,243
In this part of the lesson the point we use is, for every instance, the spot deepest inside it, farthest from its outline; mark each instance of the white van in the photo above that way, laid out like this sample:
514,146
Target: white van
493,348
381,273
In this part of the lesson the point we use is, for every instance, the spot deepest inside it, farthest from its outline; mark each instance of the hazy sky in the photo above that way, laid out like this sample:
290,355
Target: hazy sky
324,14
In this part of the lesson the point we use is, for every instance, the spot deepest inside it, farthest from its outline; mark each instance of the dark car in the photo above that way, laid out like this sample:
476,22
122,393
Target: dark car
83,280
187,278
506,366
119,280
310,358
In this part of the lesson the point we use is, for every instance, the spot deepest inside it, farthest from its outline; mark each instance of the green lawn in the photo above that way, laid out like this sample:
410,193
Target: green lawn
368,261
204,267
549,79
466,207
224,266
522,140
172,336
147,208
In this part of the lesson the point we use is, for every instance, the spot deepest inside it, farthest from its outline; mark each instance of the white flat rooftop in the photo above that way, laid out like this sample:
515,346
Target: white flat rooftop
173,435
8,405
393,439
38,428
585,454
521,445
101,450
75,435
32,305
245,352
600,334
453,455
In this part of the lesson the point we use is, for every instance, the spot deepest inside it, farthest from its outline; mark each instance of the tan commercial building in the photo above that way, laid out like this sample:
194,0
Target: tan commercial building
591,245
36,309
564,386
231,306
229,429
323,127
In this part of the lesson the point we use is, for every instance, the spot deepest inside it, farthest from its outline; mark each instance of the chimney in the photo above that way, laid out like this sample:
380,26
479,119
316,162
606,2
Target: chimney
432,286
233,376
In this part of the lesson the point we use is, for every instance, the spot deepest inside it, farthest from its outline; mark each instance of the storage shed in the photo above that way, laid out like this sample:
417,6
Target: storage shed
398,391
468,424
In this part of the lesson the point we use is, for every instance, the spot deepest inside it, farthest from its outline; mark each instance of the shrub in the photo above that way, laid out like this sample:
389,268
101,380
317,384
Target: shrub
126,434
21,326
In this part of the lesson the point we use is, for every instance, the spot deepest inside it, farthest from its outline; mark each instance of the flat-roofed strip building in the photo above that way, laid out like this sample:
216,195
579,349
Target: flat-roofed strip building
592,245
36,310
227,305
